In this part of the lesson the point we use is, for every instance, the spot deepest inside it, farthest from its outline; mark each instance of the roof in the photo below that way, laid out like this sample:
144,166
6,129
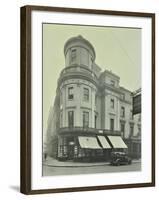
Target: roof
126,90
79,38
110,73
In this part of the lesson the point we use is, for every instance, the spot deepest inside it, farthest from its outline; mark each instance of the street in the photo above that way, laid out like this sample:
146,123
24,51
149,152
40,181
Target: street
51,170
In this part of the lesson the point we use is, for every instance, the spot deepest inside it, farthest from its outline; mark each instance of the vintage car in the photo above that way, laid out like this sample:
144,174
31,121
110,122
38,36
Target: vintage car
120,158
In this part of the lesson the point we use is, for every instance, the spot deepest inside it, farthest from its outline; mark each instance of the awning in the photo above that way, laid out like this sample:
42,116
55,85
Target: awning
88,142
104,142
117,142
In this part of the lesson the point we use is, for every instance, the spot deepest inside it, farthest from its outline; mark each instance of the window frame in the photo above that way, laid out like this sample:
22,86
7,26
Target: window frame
112,120
112,83
73,55
85,122
131,129
69,118
112,103
122,113
69,94
122,124
86,95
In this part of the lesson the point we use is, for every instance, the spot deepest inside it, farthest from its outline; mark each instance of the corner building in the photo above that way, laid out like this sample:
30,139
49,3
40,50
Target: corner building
92,114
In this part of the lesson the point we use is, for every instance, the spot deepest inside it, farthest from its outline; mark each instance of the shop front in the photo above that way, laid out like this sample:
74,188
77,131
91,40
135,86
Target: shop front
92,148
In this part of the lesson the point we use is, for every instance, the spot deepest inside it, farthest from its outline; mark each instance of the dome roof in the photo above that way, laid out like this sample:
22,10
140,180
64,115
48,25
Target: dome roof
79,38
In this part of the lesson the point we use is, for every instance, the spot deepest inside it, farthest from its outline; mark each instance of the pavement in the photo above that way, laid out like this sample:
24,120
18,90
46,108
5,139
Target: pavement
55,163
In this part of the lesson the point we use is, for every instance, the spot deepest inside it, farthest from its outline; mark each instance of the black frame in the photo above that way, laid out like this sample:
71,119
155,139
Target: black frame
25,185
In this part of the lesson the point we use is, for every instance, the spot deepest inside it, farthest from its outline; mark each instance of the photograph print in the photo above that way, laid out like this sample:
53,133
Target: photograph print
87,99
91,99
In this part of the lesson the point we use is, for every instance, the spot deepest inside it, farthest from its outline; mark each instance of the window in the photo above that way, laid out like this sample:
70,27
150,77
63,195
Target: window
61,97
95,121
86,94
70,118
61,119
139,130
111,124
95,100
91,65
70,93
122,128
85,119
131,114
112,103
123,96
73,55
122,114
112,83
131,130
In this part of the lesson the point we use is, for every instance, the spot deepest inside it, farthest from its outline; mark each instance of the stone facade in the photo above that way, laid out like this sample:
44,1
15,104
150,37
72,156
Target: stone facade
90,103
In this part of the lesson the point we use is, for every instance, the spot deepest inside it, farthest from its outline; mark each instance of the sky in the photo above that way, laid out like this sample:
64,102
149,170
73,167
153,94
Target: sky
117,49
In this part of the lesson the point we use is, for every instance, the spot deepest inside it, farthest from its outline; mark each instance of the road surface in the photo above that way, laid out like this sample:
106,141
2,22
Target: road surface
51,171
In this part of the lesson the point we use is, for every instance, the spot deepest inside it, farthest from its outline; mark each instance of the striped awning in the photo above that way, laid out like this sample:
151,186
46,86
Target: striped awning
117,142
104,142
88,142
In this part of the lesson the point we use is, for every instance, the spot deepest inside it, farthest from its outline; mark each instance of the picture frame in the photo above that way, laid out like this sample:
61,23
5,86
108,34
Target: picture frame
32,20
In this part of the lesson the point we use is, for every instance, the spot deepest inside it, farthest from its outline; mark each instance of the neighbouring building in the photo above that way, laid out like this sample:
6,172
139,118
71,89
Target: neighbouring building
92,114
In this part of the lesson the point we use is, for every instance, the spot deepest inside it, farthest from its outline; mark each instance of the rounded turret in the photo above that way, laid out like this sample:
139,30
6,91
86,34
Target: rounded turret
79,51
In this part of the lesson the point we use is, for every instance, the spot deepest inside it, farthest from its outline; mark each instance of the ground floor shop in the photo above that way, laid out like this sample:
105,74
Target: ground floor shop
89,148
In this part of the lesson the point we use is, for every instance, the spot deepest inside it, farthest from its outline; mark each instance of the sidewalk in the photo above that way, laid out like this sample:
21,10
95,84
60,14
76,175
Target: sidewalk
55,163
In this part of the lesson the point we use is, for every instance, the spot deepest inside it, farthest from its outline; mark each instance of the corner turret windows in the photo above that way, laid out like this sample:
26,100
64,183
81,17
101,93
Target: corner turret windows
70,93
70,118
73,55
85,119
86,94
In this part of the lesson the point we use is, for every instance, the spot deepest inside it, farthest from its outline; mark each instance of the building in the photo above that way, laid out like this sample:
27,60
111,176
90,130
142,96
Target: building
92,115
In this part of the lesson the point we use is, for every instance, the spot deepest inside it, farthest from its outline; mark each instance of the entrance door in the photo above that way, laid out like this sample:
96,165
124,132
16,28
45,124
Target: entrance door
70,152
71,144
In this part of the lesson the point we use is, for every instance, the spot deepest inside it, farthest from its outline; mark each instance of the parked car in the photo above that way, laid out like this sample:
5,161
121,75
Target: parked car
120,158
